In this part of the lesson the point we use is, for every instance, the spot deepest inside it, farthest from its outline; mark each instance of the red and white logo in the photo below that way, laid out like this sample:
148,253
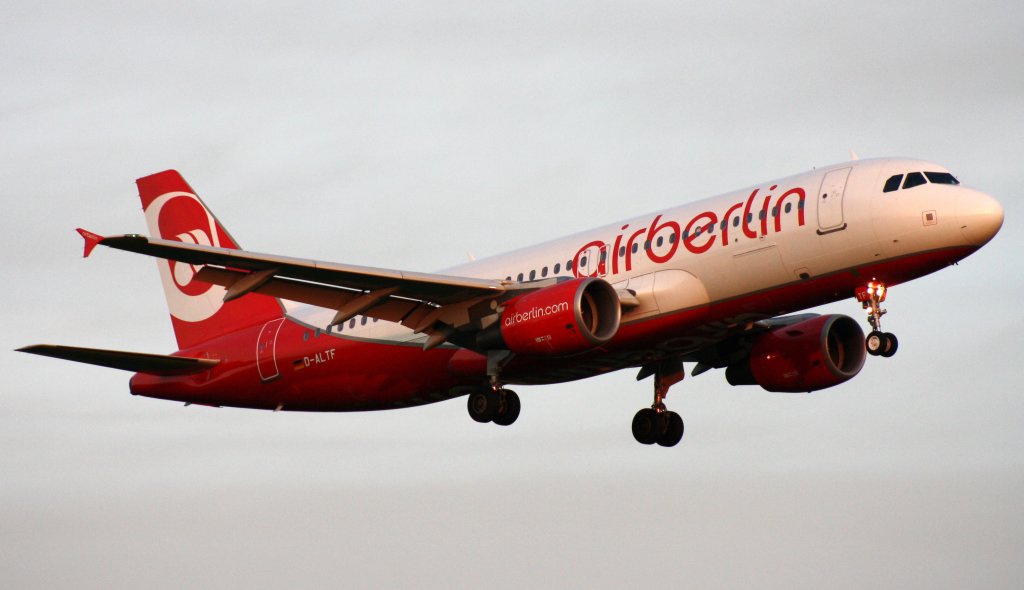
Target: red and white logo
181,216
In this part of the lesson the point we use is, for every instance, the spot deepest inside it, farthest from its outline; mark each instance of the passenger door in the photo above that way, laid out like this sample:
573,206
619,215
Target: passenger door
830,201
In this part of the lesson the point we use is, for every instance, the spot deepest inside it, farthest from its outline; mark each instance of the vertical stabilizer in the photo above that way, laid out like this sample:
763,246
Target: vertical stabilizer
198,311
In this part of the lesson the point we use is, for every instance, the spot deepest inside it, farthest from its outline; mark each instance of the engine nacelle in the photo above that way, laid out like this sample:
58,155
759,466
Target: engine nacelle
566,318
806,356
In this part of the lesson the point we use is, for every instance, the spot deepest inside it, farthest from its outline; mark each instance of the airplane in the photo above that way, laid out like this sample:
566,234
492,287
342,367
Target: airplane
712,283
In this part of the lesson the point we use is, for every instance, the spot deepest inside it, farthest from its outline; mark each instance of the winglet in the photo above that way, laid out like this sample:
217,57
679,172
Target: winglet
91,241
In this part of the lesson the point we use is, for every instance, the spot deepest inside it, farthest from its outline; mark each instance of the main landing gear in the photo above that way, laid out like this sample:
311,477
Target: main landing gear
497,405
877,343
657,424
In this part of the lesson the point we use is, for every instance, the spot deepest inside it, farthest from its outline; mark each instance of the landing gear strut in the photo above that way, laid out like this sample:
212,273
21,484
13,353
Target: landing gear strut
877,343
657,424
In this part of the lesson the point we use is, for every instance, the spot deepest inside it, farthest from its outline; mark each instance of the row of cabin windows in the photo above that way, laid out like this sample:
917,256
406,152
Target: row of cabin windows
543,272
917,179
660,241
363,320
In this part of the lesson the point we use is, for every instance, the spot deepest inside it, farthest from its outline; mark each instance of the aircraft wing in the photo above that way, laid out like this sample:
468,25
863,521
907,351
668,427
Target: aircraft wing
436,288
434,304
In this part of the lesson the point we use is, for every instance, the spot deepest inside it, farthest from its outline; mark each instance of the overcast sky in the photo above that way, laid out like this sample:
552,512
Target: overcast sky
403,136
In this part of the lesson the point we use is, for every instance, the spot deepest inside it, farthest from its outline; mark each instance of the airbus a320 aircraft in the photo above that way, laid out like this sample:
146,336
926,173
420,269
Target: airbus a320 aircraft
707,283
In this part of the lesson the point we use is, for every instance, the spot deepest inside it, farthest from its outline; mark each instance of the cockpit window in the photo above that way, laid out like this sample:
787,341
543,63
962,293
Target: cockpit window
941,178
914,179
893,183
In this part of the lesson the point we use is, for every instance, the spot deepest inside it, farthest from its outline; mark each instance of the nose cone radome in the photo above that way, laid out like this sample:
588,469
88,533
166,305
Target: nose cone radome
980,217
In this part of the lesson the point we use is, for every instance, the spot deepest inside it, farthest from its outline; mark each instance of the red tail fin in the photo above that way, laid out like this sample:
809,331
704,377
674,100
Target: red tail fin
198,311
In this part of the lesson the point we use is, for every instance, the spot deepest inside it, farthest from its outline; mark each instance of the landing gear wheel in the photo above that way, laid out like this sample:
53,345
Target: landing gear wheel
509,410
891,344
483,405
648,426
875,343
673,430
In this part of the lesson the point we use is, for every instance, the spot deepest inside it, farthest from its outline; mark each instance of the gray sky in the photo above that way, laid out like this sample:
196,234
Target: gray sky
404,135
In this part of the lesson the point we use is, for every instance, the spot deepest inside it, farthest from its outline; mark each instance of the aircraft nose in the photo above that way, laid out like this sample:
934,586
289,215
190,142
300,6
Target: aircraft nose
980,217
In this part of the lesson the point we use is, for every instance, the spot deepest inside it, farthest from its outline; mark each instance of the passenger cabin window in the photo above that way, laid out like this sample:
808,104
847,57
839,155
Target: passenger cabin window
914,179
558,267
533,274
544,272
941,178
893,183
519,278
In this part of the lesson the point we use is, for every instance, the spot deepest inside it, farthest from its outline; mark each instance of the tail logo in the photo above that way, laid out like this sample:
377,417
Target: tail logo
182,216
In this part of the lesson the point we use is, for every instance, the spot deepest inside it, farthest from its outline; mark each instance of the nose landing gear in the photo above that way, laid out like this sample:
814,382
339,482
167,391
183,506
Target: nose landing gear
877,343
657,424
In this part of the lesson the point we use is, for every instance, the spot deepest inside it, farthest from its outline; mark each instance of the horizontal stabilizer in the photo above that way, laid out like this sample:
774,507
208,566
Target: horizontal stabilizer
153,364
91,241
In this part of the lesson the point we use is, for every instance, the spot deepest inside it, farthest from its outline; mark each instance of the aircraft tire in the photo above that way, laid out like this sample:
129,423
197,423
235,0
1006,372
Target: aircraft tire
648,425
891,344
673,430
875,343
483,405
512,407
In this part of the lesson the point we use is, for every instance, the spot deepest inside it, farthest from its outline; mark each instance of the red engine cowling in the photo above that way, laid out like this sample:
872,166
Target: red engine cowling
806,356
567,318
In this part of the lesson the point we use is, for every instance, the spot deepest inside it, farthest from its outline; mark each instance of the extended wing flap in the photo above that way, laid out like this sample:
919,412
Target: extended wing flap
388,309
153,364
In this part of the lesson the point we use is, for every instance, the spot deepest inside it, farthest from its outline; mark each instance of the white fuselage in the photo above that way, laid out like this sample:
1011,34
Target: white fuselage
750,241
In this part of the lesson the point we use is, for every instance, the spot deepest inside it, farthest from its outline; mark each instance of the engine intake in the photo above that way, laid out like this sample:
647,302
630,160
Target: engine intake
568,318
807,356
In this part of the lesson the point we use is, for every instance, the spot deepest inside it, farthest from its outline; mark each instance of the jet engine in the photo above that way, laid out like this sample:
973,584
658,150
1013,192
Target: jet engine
563,319
807,356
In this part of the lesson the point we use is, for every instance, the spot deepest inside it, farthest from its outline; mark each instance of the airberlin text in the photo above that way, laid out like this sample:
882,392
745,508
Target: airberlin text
536,312
660,240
